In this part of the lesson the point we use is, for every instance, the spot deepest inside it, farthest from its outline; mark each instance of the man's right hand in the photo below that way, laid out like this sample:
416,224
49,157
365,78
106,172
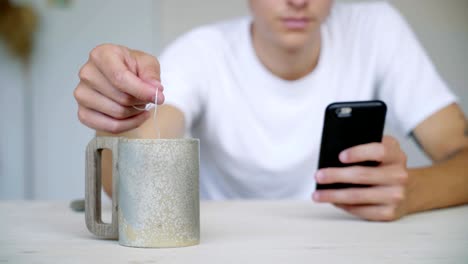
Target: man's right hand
113,80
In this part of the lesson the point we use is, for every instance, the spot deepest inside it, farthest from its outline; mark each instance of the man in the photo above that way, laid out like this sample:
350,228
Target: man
254,90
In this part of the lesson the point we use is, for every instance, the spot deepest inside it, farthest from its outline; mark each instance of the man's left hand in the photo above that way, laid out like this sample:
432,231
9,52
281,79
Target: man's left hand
385,199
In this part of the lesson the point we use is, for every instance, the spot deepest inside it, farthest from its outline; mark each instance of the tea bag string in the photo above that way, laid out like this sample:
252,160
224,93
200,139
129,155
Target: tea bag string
148,107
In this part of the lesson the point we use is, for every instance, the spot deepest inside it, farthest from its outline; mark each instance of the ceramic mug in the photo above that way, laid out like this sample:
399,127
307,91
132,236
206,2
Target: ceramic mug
155,201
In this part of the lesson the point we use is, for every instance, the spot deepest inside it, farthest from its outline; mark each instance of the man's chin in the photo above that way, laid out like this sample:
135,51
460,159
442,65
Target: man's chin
294,43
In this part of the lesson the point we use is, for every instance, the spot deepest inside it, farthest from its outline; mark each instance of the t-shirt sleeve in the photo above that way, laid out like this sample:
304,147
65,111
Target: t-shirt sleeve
407,80
182,65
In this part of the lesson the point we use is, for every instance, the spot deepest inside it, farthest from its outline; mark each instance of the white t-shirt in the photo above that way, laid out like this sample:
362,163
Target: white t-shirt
260,135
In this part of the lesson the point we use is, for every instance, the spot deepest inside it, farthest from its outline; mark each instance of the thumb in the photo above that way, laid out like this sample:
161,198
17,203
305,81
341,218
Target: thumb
148,68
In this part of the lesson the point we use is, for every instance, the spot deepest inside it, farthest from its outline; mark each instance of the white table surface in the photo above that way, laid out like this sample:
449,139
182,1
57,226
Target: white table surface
242,232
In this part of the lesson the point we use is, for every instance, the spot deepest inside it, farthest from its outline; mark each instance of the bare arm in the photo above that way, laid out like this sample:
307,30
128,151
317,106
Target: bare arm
444,137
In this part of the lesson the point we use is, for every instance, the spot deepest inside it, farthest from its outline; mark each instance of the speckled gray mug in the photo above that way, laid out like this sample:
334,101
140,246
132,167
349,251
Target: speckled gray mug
155,201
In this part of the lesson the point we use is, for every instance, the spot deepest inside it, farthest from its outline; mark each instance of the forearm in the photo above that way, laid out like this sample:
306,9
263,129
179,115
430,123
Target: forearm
441,185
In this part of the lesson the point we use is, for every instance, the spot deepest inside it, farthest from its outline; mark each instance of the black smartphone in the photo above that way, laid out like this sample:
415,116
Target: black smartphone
348,124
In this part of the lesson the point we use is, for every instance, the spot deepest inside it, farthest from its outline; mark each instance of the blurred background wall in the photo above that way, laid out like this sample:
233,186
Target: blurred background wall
50,163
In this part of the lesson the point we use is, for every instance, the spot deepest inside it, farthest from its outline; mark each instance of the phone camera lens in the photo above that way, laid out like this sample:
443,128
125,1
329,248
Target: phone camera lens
344,111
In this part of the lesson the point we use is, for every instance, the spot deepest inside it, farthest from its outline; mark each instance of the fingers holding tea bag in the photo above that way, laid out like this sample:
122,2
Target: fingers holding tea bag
116,85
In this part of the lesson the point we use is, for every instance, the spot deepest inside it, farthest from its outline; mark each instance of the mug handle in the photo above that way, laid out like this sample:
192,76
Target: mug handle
93,185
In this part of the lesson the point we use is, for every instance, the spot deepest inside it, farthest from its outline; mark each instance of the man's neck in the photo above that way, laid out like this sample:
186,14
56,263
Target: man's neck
288,64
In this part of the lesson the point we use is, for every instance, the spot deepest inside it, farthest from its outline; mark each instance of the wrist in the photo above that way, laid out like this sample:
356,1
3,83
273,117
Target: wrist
415,199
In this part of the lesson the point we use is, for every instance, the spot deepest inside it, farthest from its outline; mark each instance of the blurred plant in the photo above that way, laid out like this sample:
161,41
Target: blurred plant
17,26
